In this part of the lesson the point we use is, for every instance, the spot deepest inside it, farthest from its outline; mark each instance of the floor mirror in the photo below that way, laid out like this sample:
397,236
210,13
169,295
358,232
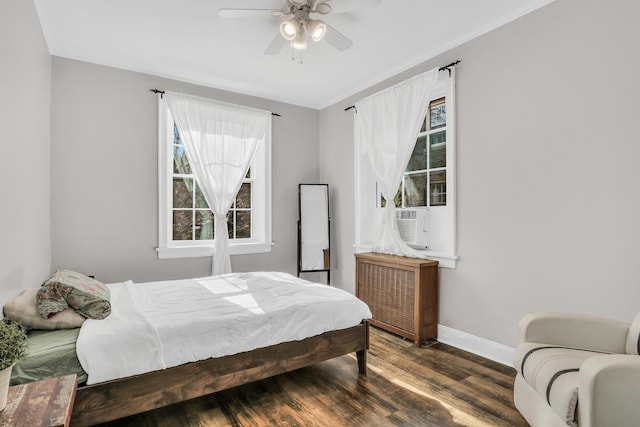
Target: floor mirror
313,229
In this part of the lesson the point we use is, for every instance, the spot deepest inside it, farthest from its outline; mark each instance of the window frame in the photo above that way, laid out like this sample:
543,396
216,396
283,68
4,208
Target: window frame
261,224
442,218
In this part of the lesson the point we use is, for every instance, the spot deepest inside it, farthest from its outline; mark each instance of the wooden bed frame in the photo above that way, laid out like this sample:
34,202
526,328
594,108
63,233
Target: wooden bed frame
115,399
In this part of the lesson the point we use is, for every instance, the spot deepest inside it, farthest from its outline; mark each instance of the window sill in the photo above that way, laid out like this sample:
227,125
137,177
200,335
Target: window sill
444,260
207,251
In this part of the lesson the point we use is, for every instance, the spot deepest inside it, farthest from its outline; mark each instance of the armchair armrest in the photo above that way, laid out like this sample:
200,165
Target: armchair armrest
575,330
609,386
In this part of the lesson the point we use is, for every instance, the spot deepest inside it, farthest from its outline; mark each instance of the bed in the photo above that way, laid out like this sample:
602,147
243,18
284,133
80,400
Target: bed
235,329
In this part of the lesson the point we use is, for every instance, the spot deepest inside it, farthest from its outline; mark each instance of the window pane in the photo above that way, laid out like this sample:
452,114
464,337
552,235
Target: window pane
423,127
397,199
176,135
438,147
437,114
182,197
182,225
418,160
415,190
201,203
230,223
248,175
438,188
204,225
243,198
243,224
180,162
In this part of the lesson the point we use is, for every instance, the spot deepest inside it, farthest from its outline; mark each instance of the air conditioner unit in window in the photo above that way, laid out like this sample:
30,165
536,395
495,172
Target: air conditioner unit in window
412,225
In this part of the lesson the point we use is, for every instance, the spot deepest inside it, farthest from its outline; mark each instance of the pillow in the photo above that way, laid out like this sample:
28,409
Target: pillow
24,309
68,288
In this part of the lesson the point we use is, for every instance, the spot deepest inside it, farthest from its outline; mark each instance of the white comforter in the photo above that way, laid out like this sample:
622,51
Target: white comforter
158,325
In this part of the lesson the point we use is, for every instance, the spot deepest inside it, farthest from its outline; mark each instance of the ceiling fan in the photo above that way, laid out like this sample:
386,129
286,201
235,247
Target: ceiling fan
298,22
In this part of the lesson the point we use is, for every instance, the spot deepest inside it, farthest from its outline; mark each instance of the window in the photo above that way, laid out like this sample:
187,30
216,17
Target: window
425,180
186,224
428,181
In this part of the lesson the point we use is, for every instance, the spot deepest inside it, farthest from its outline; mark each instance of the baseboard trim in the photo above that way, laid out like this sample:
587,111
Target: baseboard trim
482,347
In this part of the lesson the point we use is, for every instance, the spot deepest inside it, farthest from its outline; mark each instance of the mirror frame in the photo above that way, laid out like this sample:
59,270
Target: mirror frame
326,252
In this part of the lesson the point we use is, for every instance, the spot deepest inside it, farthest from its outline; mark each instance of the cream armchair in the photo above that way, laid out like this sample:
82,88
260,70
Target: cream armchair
578,370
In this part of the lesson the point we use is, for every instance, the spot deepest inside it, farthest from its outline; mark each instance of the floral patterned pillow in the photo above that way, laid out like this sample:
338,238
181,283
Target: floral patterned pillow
67,288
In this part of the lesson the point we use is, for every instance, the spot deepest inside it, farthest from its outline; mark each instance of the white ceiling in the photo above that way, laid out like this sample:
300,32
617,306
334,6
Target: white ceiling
187,40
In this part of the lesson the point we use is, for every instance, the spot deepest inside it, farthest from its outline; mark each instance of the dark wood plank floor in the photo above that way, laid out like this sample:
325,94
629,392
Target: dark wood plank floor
406,386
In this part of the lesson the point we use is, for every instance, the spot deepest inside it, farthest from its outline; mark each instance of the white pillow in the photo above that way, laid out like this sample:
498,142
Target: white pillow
24,309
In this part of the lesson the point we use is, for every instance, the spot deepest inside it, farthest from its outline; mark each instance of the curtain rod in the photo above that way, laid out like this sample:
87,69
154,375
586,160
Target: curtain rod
161,92
446,67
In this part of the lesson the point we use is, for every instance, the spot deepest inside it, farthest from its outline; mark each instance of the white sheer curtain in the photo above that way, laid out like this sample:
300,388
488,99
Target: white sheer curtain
220,141
387,124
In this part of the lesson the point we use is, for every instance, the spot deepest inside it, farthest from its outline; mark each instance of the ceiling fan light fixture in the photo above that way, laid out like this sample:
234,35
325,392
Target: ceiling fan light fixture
289,29
299,43
317,29
323,8
299,2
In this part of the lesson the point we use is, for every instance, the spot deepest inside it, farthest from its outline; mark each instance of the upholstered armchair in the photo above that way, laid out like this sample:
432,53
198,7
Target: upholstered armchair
578,370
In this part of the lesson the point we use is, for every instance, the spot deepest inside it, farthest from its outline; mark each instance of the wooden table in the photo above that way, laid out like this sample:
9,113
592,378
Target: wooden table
41,403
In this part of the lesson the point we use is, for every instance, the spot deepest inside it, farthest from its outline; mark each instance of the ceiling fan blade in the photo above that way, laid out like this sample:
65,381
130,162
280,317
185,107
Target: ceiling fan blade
343,6
336,39
249,13
275,46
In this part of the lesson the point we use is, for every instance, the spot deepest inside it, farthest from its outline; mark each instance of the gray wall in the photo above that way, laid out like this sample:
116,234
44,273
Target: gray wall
548,187
25,69
548,176
104,174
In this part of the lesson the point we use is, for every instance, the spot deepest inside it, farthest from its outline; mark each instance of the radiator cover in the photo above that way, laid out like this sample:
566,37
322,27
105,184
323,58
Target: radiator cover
401,292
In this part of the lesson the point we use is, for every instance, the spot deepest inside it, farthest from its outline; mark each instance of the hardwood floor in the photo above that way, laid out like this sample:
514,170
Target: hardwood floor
405,386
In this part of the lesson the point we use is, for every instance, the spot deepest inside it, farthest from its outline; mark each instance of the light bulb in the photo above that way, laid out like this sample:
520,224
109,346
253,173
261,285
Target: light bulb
289,29
317,29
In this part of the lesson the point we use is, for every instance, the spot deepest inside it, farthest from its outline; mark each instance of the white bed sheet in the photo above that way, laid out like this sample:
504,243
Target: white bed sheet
157,325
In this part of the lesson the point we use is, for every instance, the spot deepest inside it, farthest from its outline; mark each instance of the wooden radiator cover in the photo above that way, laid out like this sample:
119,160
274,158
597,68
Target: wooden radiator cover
401,292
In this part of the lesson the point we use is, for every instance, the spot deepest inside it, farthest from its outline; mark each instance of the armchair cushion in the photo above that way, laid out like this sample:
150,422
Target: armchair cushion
552,371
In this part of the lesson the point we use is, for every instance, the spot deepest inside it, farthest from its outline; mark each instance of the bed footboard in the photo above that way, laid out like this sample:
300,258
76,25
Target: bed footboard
111,400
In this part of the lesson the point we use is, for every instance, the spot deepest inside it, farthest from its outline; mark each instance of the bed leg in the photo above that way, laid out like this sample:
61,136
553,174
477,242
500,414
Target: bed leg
362,361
